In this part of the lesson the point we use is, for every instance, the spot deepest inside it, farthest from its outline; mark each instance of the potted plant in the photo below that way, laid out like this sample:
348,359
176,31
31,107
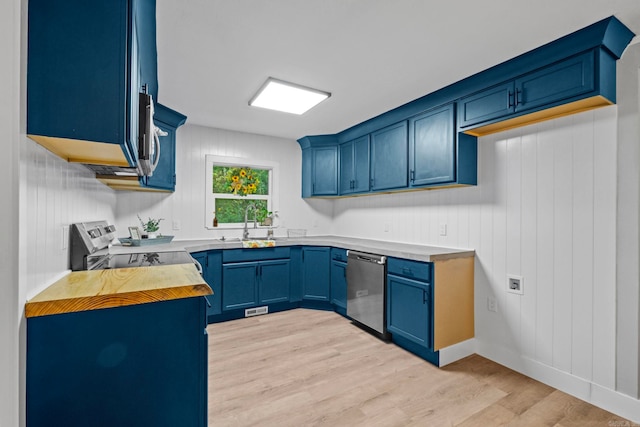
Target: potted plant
265,217
151,226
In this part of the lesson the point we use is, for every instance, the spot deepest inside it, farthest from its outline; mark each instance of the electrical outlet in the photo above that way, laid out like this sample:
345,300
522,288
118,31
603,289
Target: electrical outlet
492,304
176,224
65,236
443,229
515,284
386,227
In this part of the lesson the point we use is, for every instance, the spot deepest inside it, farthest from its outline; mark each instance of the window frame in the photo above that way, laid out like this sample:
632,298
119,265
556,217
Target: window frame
226,161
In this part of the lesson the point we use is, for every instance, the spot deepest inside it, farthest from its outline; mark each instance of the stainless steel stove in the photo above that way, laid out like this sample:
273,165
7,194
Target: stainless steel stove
89,250
142,259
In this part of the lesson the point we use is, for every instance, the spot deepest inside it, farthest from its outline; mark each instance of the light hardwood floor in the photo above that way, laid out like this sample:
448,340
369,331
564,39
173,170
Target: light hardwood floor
307,368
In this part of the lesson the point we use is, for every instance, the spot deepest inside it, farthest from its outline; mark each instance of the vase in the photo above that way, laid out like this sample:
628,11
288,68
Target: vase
152,235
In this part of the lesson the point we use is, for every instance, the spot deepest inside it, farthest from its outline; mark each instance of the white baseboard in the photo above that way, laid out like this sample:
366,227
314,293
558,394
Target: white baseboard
602,397
457,351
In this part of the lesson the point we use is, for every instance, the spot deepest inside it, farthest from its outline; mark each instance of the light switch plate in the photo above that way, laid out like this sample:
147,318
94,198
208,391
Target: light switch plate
492,304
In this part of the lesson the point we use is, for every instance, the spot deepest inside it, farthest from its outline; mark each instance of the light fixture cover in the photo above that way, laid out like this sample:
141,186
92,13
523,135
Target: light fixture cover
288,97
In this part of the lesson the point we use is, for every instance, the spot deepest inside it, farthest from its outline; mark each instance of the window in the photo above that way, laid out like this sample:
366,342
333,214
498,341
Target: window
233,184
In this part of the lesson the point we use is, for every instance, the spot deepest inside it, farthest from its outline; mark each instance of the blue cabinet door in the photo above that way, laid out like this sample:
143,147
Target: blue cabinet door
339,284
211,262
273,281
486,105
432,147
164,176
409,309
320,171
361,159
346,168
389,157
144,24
307,172
315,273
239,285
558,82
354,166
325,171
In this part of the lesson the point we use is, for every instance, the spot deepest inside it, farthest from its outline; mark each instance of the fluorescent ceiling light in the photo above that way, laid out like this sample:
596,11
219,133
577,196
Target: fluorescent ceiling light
288,97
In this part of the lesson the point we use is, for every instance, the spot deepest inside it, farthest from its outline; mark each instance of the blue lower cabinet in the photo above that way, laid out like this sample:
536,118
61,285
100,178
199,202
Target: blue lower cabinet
273,281
248,284
409,310
239,285
315,273
211,262
141,365
339,286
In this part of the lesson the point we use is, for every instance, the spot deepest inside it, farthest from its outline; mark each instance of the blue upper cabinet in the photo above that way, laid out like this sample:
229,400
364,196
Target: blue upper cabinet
325,171
319,166
431,141
487,105
558,84
164,176
389,157
432,147
354,166
87,61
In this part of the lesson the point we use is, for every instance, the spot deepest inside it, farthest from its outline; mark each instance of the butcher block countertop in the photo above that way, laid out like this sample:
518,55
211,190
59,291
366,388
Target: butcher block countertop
92,290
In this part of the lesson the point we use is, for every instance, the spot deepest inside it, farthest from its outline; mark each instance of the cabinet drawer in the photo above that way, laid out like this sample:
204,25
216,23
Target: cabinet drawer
412,269
239,255
339,254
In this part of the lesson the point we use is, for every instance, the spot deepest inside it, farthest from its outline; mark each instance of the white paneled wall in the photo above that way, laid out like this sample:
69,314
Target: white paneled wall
55,194
187,204
545,209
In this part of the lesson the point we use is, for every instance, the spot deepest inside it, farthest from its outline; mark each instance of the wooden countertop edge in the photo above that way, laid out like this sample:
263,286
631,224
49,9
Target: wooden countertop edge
73,305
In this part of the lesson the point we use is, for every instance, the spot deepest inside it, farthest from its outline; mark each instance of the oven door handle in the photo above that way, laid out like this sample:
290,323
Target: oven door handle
198,265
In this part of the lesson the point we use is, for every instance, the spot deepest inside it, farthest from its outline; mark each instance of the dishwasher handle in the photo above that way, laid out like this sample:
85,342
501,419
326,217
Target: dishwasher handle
362,256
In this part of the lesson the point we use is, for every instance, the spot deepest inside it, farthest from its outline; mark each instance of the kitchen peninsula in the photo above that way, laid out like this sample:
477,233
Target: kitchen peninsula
123,346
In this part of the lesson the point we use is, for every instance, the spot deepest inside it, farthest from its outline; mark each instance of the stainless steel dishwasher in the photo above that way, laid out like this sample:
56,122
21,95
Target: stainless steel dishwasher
366,278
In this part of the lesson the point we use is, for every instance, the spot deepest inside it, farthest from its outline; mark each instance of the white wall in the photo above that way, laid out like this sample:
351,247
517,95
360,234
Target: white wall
9,172
628,242
187,204
55,194
544,208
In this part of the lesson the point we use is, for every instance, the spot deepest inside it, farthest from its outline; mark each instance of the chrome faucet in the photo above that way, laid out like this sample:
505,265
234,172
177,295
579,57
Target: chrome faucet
245,233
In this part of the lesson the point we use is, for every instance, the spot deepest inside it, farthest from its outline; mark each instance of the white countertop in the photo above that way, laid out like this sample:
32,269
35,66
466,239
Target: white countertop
380,247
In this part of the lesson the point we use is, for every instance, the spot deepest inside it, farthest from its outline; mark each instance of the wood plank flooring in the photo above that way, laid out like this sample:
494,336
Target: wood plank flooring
314,368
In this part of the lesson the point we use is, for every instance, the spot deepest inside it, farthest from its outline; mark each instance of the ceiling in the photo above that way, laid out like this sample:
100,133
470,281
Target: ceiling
372,55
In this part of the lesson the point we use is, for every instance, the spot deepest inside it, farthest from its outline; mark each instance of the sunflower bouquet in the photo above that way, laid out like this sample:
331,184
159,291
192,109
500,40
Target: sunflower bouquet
242,181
